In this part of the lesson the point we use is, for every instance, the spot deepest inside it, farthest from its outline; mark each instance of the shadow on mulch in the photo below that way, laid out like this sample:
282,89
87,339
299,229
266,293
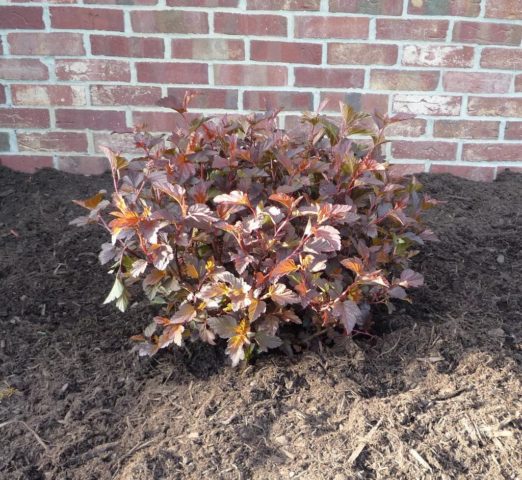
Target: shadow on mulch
436,395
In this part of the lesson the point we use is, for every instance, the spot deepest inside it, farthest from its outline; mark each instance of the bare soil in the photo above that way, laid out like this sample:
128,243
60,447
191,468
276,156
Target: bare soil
435,394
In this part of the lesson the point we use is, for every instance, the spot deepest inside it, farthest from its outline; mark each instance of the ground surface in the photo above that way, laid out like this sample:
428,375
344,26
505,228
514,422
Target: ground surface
436,395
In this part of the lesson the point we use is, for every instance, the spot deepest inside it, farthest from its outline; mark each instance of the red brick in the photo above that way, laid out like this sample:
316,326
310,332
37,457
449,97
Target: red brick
431,105
479,174
476,82
401,169
286,52
237,24
117,46
495,106
459,8
123,95
424,150
310,5
169,21
508,170
492,152
254,100
159,72
208,48
26,163
518,83
51,142
210,98
18,18
93,70
465,129
83,165
438,56
116,2
503,58
398,29
361,54
331,27
251,75
329,77
91,119
157,121
513,131
22,69
2,94
414,127
367,7
24,118
79,18
202,3
487,33
23,43
509,9
47,95
409,80
362,102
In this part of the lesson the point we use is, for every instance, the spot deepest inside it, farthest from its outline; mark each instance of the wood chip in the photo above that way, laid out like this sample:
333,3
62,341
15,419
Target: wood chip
417,456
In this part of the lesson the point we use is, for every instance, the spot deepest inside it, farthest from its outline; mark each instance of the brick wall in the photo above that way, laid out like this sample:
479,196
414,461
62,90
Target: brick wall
74,70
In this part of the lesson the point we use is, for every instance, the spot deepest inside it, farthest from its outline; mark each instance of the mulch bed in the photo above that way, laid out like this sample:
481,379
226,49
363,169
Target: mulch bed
435,394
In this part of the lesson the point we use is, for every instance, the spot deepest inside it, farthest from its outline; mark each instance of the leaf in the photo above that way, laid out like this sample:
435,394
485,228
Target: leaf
224,326
266,341
284,267
138,267
398,292
282,295
411,279
331,235
117,162
191,271
256,309
235,197
283,199
162,255
374,278
171,334
201,214
185,313
354,264
241,261
91,202
235,349
108,252
349,313
116,292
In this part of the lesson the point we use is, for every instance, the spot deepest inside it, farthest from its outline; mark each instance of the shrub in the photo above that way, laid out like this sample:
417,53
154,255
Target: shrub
237,228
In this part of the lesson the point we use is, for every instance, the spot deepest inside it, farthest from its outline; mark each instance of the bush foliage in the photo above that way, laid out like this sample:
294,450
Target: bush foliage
237,228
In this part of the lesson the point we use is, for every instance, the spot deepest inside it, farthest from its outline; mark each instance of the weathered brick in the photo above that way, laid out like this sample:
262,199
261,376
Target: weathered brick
119,2
476,82
14,17
478,174
169,21
465,129
398,29
310,5
438,56
495,106
2,94
329,77
93,70
118,46
404,80
240,24
83,165
401,169
424,150
47,95
22,69
518,83
492,152
251,75
123,95
432,105
79,18
4,142
26,163
51,142
208,48
285,52
91,119
48,43
513,131
119,142
459,8
157,121
331,27
414,127
255,100
362,102
367,7
487,33
149,72
210,98
361,54
202,3
503,58
509,9
24,118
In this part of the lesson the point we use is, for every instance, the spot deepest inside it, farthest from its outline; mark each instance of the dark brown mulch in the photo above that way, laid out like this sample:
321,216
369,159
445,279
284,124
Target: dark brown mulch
437,394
